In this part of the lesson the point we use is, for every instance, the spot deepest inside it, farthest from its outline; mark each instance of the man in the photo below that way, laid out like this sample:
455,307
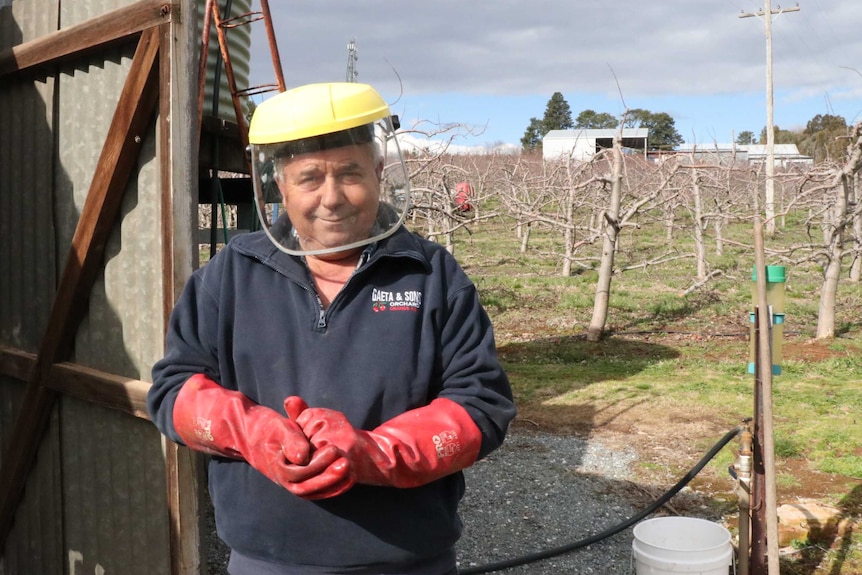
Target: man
340,370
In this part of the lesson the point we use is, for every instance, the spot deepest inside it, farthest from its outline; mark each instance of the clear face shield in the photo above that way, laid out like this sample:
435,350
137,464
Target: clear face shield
334,192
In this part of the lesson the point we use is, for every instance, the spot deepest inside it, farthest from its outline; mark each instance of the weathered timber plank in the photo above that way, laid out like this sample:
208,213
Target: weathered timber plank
85,37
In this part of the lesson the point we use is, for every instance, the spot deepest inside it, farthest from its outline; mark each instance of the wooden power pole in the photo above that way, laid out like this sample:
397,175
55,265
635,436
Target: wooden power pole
767,13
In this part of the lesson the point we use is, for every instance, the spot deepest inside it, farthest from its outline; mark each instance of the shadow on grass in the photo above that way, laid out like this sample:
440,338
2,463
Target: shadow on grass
574,361
670,310
546,368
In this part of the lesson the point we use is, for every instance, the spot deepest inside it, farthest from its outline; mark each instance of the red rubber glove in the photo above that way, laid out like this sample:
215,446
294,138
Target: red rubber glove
412,449
219,421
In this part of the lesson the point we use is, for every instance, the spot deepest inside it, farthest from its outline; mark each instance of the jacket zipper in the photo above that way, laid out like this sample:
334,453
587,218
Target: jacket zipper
321,317
321,313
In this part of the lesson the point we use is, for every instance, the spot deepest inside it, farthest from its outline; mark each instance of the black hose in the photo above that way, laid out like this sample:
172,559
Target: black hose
540,555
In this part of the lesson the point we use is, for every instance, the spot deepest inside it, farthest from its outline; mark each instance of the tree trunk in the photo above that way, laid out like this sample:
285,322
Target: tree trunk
835,253
856,265
670,219
845,188
609,243
524,234
829,291
699,244
718,226
569,233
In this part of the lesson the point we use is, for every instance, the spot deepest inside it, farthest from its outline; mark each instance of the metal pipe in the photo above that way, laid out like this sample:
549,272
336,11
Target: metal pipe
228,69
743,491
202,65
273,45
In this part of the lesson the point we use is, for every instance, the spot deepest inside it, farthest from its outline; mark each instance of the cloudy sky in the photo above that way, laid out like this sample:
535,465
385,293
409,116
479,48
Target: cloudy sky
490,66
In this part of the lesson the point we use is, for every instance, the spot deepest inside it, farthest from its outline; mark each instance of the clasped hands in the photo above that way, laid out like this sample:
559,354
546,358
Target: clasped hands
315,448
315,452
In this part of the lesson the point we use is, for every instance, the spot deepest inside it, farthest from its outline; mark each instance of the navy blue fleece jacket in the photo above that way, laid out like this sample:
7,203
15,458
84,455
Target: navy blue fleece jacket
405,329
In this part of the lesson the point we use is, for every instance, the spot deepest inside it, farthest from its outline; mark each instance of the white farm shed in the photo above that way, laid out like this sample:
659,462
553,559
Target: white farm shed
786,155
581,144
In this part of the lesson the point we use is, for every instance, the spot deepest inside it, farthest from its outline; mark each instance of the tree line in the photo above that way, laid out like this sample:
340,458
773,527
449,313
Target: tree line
824,137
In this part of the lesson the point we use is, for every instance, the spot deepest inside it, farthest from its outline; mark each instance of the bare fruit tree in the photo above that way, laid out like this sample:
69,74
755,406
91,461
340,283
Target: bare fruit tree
448,191
609,244
856,265
827,192
559,196
840,216
718,192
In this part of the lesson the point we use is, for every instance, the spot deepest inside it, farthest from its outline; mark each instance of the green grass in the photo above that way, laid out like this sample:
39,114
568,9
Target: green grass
689,351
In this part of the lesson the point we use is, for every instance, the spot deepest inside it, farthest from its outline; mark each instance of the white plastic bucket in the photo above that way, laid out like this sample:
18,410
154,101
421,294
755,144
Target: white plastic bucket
681,545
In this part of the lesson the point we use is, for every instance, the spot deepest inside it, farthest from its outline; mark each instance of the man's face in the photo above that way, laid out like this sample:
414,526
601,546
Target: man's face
331,196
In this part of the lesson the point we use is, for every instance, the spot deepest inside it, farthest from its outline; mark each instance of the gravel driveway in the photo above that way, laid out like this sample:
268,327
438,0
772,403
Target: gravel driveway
541,492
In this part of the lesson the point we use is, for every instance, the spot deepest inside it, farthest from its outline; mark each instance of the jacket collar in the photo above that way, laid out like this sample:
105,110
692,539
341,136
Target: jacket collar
401,244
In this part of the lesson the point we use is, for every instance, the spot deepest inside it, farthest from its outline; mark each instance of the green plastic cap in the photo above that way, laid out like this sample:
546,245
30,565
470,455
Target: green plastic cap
774,274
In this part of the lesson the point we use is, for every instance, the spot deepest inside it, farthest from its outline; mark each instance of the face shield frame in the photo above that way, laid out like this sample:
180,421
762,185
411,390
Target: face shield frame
394,184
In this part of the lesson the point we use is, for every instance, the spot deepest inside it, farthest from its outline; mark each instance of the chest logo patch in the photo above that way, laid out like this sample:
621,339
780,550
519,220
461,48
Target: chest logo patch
382,300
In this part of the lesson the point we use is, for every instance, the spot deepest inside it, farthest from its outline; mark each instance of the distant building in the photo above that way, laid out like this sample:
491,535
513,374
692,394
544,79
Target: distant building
786,155
582,144
714,153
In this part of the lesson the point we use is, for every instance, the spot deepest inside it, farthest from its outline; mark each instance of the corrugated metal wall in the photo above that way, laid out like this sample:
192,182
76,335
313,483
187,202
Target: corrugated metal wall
28,276
113,492
96,499
123,329
28,253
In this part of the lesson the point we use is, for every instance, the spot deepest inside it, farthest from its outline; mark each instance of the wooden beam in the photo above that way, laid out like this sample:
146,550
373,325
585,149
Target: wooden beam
132,118
91,385
185,470
87,36
180,467
17,363
166,188
94,386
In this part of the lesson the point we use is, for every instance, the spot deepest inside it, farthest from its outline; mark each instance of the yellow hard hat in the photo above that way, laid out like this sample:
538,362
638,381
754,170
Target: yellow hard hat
312,119
315,110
